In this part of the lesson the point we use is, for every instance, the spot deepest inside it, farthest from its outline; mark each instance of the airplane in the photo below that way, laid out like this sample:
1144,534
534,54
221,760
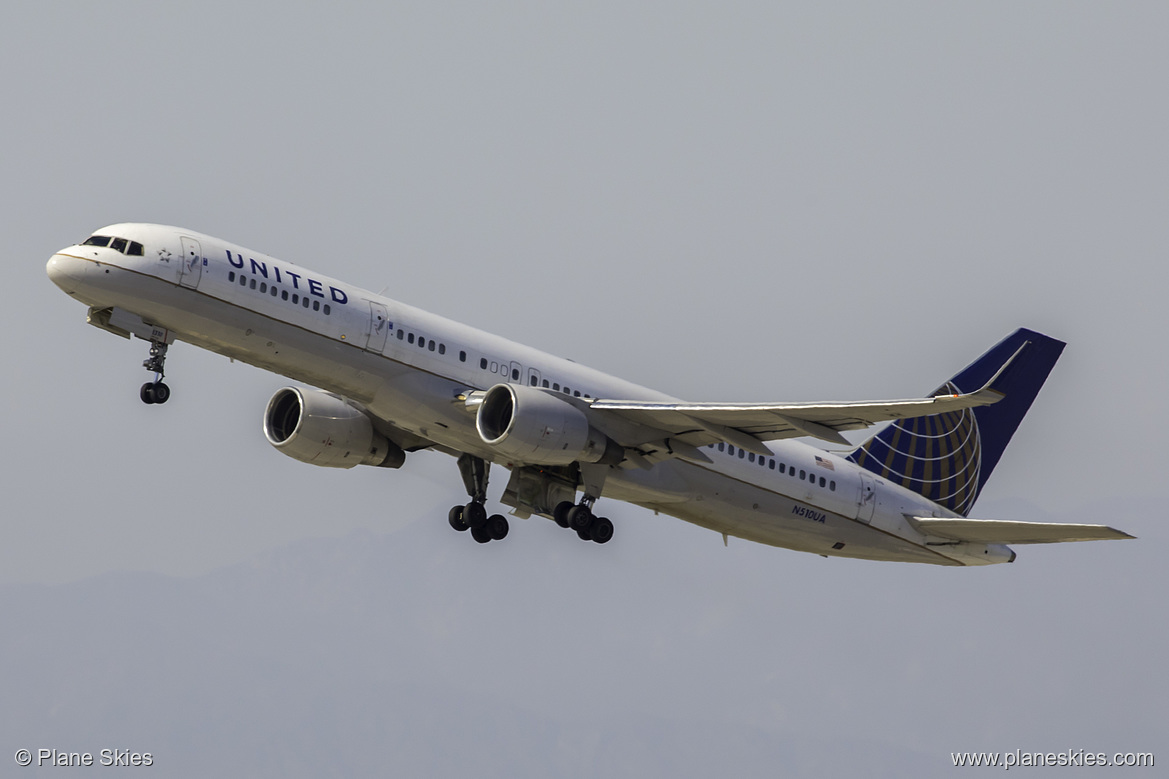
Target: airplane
385,379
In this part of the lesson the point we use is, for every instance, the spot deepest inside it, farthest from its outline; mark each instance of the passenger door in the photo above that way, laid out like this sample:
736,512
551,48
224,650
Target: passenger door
192,263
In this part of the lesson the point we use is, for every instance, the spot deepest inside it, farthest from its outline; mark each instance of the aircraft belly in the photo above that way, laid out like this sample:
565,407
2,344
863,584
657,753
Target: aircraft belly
753,513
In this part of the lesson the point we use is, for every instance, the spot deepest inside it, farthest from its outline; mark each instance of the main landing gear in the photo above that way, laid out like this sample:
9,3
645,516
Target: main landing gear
473,516
155,391
580,518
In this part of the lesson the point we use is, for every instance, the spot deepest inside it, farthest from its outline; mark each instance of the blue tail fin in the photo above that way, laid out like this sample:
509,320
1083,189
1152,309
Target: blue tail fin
949,457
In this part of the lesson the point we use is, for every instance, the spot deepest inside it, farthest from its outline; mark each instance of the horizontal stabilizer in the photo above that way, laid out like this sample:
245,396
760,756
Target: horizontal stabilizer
1003,531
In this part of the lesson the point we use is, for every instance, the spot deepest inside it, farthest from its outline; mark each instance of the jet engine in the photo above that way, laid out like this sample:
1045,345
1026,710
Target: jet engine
324,429
536,427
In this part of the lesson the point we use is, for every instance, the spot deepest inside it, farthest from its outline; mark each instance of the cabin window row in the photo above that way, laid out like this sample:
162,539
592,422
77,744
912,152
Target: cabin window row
422,343
771,463
512,370
264,288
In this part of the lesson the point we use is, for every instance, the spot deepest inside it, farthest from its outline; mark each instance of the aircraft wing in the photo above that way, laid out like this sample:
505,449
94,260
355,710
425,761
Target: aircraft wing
1001,531
686,426
747,424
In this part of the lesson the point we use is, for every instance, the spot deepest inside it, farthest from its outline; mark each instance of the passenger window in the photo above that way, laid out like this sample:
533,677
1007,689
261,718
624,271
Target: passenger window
832,485
135,249
751,457
821,481
545,384
730,449
771,464
442,348
327,311
742,453
556,386
410,338
802,475
303,301
295,298
253,284
515,375
430,346
577,393
274,290
243,280
721,446
231,275
401,334
782,468
284,294
533,380
483,363
316,305
494,367
263,286
462,356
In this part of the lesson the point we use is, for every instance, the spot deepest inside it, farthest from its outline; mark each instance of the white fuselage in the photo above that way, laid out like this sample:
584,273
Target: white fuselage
411,368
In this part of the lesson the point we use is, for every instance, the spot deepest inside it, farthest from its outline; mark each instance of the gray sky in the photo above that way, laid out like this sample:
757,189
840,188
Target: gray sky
734,201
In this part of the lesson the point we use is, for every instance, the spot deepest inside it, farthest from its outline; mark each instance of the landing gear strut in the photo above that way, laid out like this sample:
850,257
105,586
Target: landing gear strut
155,391
473,516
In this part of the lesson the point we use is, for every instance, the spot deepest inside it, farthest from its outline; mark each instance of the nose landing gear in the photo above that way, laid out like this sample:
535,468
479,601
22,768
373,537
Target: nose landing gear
155,391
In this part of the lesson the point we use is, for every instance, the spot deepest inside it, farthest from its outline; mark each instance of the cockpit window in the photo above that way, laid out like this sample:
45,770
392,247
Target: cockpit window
123,245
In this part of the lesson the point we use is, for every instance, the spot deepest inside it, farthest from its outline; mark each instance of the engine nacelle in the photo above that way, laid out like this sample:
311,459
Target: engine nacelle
535,427
323,429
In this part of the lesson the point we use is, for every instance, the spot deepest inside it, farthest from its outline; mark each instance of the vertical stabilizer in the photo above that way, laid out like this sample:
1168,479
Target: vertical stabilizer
949,457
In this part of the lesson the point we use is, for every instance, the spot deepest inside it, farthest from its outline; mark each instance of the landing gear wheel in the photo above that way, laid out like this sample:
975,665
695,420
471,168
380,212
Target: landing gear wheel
583,535
474,515
154,392
480,534
601,530
455,517
579,518
560,514
497,527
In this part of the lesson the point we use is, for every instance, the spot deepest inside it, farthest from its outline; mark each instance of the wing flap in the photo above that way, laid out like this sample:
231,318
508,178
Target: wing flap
1003,531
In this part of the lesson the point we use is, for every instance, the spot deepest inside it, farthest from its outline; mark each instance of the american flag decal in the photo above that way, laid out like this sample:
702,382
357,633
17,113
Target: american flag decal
824,462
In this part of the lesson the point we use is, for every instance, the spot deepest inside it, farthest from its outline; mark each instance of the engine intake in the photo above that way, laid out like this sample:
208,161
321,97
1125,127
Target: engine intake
538,428
323,429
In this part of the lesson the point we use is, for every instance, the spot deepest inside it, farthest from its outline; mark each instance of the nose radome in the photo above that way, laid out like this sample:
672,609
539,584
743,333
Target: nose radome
63,271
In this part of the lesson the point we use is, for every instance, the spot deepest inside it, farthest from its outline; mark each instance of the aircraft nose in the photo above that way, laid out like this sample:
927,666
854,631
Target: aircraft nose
64,271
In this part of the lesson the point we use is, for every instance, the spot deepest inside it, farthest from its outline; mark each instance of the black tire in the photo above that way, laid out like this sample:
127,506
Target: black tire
475,515
480,534
147,393
497,527
579,518
601,530
583,535
455,517
161,392
560,514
